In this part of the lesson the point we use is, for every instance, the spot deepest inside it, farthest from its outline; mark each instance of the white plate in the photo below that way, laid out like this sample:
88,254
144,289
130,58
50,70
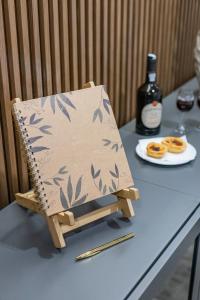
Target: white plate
169,159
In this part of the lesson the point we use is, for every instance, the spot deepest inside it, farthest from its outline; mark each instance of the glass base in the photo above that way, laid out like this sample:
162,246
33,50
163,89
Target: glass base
180,130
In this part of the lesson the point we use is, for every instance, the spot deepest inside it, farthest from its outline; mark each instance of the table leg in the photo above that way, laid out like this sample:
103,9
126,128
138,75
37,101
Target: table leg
194,291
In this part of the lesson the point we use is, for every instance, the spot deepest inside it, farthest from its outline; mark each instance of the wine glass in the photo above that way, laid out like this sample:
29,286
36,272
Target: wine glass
185,102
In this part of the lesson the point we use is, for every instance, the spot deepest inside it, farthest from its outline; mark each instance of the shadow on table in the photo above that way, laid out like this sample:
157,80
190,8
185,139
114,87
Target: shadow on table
30,231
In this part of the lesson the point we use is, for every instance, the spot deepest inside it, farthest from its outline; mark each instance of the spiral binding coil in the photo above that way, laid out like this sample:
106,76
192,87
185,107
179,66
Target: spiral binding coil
32,164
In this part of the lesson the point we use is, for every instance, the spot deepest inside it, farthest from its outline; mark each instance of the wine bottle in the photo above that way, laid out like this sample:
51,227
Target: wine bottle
149,102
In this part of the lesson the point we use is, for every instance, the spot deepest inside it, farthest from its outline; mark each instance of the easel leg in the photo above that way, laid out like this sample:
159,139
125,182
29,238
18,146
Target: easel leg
126,207
56,232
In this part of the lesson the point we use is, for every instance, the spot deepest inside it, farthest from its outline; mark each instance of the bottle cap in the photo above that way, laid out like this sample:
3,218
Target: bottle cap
151,62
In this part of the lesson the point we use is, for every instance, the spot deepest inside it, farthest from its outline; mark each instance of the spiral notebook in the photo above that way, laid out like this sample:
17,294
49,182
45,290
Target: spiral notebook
73,148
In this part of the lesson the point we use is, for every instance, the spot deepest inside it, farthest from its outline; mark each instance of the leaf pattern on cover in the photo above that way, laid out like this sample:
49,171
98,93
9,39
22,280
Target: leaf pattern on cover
78,188
47,182
116,170
95,174
38,149
62,101
106,104
33,139
63,199
63,170
106,142
112,145
53,103
115,173
63,109
67,101
100,185
115,147
45,128
43,101
111,190
72,198
32,117
104,189
33,122
97,113
114,185
56,178
69,189
22,119
81,200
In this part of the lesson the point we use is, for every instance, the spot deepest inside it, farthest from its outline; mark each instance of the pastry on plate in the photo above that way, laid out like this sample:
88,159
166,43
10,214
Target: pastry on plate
156,150
174,144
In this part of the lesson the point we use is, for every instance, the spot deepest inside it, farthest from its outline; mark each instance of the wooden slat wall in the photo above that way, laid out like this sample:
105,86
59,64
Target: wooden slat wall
49,46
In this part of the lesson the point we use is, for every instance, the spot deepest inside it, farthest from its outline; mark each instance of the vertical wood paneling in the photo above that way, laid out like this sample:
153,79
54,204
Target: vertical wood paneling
64,45
5,110
73,44
104,13
193,24
134,57
145,41
34,35
15,78
81,41
168,43
97,41
123,66
45,47
111,47
117,56
140,58
130,24
48,46
3,181
24,49
89,40
55,45
172,41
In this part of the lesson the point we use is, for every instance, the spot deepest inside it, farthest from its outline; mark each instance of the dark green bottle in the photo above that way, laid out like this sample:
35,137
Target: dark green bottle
149,102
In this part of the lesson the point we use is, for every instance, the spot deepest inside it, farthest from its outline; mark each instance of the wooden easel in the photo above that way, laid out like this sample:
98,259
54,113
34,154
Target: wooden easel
63,222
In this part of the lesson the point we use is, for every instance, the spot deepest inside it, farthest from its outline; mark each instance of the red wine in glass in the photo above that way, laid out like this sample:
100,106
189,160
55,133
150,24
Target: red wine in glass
185,105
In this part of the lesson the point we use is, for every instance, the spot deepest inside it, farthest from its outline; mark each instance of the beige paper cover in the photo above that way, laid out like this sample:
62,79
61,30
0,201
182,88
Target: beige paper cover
75,147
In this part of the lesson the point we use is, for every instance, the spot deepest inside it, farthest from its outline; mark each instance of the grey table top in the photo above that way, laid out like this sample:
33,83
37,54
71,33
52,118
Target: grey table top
30,268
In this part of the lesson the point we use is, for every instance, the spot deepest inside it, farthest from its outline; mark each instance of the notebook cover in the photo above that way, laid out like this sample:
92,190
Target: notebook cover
76,147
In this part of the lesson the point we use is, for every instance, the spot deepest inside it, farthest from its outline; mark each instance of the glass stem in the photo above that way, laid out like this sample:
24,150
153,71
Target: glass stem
181,127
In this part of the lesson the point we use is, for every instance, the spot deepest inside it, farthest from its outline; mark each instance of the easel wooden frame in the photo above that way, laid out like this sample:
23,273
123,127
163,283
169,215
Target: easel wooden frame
64,222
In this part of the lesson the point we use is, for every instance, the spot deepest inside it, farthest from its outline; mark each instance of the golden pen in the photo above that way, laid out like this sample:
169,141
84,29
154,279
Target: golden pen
105,246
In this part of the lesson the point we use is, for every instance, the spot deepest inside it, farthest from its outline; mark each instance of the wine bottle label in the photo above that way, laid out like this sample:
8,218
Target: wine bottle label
151,114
